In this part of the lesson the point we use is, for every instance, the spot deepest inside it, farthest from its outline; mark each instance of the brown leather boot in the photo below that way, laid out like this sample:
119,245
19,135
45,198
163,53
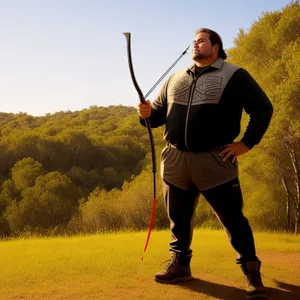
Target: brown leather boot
178,269
255,288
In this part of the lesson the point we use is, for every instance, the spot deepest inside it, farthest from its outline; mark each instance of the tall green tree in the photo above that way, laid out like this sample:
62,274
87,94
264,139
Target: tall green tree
270,51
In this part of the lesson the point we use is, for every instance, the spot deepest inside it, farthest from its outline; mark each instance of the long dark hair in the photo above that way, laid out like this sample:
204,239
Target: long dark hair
214,39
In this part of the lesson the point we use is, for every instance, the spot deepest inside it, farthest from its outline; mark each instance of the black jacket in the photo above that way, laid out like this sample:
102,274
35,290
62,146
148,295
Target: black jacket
195,125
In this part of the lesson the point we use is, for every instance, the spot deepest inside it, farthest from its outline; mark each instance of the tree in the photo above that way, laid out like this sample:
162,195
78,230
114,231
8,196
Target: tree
8,194
270,51
25,172
46,206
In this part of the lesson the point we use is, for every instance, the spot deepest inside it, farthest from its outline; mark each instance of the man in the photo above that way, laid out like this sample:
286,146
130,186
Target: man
201,109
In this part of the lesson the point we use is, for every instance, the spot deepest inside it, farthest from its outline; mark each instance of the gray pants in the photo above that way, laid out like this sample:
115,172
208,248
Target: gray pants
202,169
224,196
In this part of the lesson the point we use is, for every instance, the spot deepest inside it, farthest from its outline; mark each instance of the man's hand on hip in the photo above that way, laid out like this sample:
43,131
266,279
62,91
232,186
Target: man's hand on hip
235,149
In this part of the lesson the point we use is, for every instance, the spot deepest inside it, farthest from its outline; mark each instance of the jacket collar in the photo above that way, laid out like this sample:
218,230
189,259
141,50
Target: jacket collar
217,64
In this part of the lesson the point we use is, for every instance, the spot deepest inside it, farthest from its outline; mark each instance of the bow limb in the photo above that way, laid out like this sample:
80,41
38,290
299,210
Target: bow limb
129,56
142,99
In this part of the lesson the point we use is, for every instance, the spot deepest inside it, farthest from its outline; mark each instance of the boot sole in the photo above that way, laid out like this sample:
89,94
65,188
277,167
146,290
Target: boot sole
177,279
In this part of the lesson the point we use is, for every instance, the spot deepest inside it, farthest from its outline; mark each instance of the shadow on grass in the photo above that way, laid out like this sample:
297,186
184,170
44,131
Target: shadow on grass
224,292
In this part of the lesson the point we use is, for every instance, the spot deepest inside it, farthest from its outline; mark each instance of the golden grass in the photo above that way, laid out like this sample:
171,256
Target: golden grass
107,266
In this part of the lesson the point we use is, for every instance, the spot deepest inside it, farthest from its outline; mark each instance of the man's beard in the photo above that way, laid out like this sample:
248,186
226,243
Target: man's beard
199,56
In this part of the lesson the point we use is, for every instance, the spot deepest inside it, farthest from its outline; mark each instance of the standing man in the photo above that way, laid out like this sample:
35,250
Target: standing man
201,108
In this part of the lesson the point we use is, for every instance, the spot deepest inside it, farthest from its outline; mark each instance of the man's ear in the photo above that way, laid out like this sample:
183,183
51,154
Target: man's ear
216,47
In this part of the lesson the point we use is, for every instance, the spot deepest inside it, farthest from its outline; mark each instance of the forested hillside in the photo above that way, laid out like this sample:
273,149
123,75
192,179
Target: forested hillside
50,163
90,170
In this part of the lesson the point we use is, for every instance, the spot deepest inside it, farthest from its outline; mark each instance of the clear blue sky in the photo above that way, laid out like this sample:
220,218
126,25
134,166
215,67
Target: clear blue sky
70,54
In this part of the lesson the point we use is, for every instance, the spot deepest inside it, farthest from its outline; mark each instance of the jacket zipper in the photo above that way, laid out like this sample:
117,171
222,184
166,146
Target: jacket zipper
192,90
